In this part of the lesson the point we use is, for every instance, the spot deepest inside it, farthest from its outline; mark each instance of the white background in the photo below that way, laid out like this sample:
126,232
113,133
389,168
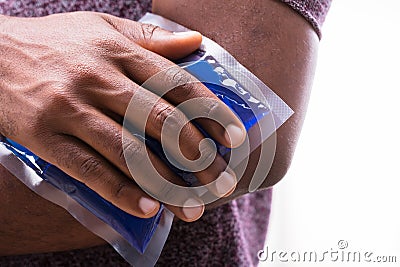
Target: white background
344,183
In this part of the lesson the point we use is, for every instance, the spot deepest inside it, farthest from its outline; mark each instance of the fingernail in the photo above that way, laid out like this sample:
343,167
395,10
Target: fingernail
192,209
187,33
225,183
234,135
147,205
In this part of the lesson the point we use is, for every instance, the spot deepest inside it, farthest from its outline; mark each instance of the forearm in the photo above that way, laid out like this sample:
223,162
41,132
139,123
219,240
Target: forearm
271,40
31,224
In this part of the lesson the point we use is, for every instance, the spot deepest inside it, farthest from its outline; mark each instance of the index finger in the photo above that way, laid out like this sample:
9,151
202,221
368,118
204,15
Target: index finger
178,86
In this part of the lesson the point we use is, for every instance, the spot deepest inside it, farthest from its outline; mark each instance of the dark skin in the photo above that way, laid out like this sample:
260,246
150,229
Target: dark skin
283,55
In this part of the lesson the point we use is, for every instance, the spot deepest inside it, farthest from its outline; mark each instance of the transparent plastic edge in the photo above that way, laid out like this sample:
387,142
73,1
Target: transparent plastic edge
34,182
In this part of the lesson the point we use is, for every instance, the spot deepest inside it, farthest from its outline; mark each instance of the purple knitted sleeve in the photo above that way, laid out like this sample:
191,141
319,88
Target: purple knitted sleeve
314,11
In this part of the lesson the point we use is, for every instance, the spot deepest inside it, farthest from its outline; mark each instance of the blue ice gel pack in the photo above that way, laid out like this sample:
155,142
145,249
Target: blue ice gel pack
138,231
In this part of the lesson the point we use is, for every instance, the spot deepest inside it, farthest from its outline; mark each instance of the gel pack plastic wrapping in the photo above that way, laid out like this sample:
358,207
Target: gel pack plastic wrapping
140,241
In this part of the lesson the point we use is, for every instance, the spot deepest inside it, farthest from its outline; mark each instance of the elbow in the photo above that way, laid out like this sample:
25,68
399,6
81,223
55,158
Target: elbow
279,168
284,144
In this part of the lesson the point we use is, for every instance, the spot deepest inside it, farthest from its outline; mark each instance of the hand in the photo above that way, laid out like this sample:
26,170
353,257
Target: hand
66,82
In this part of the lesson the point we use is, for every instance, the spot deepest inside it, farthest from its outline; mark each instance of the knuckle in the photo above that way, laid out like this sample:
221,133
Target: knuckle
112,47
55,106
187,89
167,193
204,157
68,158
132,152
147,31
118,190
90,169
213,109
208,154
166,115
67,109
179,77
182,84
83,72
196,155
60,98
109,42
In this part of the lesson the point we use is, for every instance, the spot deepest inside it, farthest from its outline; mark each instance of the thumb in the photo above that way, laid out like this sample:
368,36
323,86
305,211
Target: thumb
165,43
172,45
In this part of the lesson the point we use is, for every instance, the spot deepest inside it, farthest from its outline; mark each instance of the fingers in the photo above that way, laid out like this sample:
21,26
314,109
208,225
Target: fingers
184,144
228,130
95,172
87,166
190,211
106,137
147,169
181,89
165,43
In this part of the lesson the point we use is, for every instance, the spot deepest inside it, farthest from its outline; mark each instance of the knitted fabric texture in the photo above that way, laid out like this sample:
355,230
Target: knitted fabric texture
314,11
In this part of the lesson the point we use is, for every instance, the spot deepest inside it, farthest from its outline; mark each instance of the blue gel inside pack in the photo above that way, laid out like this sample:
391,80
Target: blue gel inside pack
138,231
219,81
